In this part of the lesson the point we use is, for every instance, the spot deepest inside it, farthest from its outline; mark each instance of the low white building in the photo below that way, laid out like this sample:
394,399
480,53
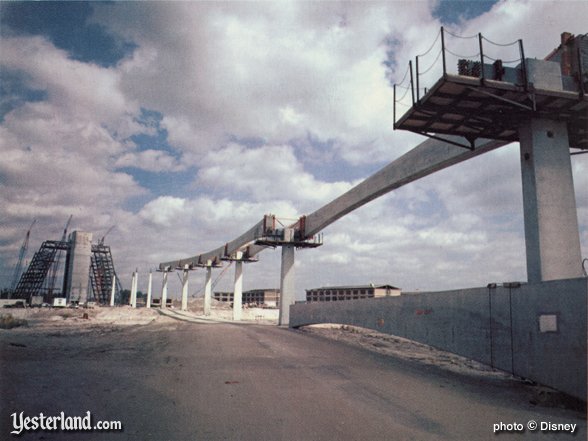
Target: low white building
336,293
260,297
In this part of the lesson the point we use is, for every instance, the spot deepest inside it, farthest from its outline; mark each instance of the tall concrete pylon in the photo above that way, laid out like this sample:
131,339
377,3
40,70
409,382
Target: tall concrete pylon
238,290
134,282
552,239
149,286
164,289
287,284
208,290
113,290
77,264
185,288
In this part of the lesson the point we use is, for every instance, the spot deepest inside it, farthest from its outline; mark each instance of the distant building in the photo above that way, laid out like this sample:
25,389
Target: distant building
259,297
337,293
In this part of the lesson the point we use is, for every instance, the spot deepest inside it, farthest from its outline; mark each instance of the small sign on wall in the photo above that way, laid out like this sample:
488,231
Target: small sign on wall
548,323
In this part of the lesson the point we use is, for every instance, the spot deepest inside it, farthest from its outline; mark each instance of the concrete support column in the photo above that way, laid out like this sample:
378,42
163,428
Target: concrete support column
238,291
134,290
164,290
287,285
149,285
185,290
113,290
132,286
551,223
208,291
78,259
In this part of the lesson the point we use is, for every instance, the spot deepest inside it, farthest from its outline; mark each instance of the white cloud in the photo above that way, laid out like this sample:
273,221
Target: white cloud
253,70
80,90
163,210
266,173
277,72
150,160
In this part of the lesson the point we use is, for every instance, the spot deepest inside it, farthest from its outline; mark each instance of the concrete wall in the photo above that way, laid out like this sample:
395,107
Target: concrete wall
510,328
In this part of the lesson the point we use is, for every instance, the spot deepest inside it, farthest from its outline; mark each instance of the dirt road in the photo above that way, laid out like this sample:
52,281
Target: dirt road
219,381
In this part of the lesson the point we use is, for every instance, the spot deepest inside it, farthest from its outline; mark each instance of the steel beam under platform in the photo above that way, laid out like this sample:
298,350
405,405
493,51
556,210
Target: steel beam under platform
471,108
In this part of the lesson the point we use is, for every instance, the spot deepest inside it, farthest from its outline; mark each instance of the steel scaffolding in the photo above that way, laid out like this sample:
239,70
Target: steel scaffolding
102,273
33,280
39,277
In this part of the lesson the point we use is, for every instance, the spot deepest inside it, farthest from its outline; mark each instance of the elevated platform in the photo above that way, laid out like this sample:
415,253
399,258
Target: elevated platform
212,265
279,241
482,108
240,259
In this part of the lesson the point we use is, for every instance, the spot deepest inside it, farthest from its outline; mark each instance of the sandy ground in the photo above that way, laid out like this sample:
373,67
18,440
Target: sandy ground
84,320
410,350
224,311
401,347
107,359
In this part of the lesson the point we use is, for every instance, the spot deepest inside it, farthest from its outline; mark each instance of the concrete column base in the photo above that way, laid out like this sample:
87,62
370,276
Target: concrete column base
134,290
185,291
551,223
287,284
149,286
238,292
208,291
113,290
164,290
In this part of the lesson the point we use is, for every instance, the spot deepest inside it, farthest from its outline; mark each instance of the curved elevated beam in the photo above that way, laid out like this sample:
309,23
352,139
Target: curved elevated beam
226,251
428,157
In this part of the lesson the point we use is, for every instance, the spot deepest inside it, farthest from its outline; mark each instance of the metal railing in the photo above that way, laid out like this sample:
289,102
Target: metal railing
451,54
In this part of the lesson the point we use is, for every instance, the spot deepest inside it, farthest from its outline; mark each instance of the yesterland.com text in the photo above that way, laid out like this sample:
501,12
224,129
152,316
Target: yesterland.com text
22,423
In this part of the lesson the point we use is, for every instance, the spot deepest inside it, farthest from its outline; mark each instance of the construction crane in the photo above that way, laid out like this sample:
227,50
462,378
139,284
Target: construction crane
21,256
106,234
53,275
64,236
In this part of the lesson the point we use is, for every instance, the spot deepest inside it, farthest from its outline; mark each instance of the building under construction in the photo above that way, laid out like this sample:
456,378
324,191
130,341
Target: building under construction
88,274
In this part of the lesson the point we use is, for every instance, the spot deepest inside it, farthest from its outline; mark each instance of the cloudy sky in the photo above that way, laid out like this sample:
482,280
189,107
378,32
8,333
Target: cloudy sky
183,123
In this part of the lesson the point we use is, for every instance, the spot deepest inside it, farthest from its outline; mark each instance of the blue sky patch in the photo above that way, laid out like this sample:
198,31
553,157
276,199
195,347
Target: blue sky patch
249,142
322,159
66,25
178,184
14,91
454,11
151,119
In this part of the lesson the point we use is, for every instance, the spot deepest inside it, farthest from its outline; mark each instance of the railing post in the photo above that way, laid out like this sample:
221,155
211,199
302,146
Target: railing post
394,106
523,65
580,72
481,58
443,52
418,94
411,81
